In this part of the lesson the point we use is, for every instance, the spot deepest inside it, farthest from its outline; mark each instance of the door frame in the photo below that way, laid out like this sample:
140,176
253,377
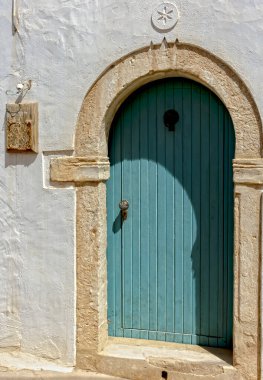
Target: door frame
88,169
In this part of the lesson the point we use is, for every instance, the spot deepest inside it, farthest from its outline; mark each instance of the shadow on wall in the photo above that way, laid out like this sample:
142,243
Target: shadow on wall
22,159
175,271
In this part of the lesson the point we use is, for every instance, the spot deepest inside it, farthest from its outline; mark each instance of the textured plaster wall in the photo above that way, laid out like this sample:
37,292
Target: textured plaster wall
62,46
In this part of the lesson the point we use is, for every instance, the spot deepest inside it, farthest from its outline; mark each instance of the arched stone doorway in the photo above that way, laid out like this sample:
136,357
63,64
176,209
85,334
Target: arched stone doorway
89,169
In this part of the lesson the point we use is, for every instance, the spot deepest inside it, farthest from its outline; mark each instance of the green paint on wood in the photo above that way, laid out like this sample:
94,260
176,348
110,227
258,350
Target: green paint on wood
170,264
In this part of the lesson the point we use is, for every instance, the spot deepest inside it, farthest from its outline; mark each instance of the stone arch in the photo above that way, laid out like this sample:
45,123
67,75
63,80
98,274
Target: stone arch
126,75
88,169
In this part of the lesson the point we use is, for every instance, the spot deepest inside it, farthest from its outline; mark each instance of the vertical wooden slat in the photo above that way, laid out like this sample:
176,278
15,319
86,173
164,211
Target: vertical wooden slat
153,260
178,233
127,241
161,212
117,249
169,164
196,197
135,214
187,211
144,209
204,226
220,262
213,221
111,244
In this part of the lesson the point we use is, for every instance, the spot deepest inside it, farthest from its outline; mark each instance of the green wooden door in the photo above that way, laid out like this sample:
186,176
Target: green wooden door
170,263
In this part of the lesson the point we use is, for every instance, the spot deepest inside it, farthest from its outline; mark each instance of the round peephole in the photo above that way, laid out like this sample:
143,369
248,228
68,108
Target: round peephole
170,118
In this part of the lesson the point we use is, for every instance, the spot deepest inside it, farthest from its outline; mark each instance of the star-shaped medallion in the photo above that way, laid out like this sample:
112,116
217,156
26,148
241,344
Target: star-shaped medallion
165,14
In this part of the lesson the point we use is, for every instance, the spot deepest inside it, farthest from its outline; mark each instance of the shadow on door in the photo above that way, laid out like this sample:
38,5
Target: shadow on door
170,264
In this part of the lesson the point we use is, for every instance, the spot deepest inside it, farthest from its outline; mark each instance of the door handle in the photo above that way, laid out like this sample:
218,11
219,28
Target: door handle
124,205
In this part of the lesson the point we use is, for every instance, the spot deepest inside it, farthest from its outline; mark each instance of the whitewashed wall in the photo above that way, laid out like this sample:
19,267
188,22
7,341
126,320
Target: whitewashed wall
62,46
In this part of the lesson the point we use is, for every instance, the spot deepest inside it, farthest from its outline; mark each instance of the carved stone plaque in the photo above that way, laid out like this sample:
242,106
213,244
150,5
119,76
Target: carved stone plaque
22,127
164,17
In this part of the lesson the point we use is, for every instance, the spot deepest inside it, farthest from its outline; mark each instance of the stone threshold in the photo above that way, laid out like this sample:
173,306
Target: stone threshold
138,359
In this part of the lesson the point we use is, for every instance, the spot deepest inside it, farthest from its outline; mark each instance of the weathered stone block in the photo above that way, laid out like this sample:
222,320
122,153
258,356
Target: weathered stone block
22,127
79,169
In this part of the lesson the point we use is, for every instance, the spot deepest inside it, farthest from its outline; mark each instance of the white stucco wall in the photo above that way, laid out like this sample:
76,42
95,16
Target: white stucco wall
62,46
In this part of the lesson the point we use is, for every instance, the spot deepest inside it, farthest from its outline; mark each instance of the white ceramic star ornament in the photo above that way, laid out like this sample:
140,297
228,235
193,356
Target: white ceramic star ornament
165,17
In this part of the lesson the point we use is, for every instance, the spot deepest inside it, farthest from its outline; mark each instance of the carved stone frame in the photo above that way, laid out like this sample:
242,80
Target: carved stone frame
89,169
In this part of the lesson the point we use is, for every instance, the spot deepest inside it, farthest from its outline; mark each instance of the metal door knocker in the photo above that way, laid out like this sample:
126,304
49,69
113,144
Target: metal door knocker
124,205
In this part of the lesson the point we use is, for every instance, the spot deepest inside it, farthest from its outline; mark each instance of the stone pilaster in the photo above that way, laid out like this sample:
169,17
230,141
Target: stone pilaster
248,178
92,327
89,175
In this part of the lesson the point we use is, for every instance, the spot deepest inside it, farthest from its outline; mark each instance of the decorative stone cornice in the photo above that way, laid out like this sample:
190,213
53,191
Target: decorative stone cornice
248,171
79,169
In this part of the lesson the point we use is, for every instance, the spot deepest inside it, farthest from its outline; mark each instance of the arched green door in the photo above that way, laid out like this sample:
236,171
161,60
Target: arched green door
170,263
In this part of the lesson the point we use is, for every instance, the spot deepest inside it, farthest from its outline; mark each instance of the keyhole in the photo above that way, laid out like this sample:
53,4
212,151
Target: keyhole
170,118
124,214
